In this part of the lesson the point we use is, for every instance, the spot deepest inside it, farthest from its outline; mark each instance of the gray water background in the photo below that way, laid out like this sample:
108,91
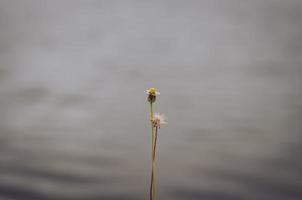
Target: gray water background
74,116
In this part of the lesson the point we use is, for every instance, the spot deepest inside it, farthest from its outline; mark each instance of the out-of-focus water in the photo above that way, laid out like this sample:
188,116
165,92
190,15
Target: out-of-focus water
74,116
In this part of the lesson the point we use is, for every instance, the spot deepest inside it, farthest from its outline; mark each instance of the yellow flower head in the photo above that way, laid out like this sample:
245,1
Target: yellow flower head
152,91
152,94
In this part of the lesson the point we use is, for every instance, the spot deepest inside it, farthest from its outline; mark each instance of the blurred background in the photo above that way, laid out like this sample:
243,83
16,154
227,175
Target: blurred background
74,116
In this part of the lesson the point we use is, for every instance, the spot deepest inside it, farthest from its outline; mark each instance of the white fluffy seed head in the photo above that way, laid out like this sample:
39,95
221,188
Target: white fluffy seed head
159,119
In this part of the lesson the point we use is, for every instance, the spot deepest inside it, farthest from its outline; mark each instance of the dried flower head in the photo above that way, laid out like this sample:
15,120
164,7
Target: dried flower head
152,92
159,119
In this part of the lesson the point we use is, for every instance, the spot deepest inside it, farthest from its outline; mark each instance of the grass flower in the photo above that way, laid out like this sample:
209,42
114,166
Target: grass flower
152,92
156,120
159,119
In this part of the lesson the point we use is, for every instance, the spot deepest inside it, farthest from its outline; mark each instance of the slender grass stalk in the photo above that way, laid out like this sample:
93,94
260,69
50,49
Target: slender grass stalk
155,141
152,187
152,128
153,174
154,163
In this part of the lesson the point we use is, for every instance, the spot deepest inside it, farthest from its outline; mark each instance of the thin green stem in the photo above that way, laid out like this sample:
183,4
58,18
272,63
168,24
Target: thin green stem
154,164
152,127
152,185
152,188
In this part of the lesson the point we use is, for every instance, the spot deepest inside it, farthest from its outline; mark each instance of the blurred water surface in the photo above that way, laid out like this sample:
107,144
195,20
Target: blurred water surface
74,116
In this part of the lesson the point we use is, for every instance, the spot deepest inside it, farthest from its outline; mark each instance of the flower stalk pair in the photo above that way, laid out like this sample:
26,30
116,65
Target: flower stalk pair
155,121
